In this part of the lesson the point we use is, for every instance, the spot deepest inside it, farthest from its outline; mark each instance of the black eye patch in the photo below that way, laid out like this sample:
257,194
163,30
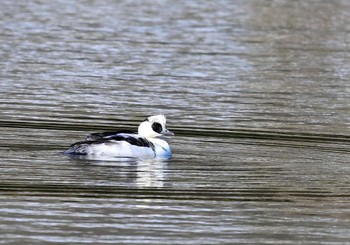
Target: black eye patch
157,127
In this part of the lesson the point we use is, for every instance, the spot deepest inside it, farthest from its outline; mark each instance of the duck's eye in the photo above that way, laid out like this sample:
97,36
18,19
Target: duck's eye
157,127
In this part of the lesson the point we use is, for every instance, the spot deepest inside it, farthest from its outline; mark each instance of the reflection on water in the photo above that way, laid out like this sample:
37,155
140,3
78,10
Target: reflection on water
144,172
151,173
257,93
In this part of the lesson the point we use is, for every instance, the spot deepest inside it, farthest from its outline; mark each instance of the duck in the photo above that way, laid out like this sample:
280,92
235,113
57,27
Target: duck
148,142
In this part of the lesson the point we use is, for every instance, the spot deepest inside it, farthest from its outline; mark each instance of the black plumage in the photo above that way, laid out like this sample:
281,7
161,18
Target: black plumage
80,147
96,136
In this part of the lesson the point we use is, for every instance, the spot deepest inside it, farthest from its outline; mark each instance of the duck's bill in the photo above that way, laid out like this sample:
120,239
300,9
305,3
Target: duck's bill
167,133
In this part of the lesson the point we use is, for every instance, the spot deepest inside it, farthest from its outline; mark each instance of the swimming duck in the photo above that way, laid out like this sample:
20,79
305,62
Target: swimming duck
145,144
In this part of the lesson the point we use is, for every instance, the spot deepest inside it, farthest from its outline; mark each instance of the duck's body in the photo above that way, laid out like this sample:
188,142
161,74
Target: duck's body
145,144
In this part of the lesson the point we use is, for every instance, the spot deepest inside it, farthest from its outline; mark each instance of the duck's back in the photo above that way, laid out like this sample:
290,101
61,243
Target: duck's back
119,145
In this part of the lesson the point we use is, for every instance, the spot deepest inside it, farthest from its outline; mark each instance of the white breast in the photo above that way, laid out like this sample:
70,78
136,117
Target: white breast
162,148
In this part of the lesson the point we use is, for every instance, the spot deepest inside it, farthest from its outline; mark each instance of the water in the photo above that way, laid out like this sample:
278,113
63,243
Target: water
257,93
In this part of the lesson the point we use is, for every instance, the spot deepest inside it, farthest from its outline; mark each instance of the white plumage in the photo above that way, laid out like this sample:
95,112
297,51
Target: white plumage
145,144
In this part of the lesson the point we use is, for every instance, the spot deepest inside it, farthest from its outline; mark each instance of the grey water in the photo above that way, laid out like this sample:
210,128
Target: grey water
257,93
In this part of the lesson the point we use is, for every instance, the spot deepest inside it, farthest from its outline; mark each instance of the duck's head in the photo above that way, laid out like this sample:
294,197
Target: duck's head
154,126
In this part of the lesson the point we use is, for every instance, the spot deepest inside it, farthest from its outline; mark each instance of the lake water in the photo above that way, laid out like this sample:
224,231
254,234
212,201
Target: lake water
257,93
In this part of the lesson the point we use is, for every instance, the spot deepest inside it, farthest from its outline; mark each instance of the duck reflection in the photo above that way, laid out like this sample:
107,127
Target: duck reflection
141,172
151,172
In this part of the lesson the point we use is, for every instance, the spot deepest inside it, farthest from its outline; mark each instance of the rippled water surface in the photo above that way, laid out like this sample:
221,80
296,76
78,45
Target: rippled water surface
257,93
